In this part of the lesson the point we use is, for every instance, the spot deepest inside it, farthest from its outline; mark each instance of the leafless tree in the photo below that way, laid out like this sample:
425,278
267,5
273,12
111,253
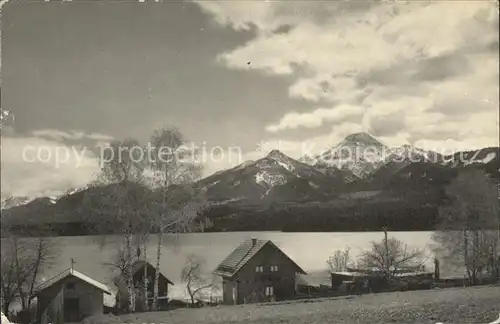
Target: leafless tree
23,260
469,232
120,261
118,201
192,276
340,260
390,256
44,252
174,168
15,270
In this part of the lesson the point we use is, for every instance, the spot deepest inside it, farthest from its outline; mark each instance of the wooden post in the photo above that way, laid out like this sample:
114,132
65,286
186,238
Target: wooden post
436,269
386,246
498,269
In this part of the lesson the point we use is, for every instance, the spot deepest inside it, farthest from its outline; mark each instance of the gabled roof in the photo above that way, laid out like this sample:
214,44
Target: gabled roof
73,273
244,253
139,264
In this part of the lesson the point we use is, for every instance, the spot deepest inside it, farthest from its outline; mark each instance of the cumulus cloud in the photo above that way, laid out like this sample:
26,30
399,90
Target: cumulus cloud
75,135
34,166
50,162
309,146
418,68
316,118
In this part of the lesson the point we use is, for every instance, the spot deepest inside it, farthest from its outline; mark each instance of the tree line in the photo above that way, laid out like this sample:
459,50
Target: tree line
467,236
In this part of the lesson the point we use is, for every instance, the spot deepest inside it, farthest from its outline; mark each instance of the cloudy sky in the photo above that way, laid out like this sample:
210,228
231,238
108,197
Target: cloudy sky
241,73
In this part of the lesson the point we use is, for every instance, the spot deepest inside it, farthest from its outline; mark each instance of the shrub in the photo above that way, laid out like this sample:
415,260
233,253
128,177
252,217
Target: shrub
25,316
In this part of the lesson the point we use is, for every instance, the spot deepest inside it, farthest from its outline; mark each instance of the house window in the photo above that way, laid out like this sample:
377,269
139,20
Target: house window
274,268
269,291
259,269
70,286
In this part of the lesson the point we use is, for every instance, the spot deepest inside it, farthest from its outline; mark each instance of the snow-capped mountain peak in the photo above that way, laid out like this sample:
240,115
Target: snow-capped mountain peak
281,159
363,139
410,153
73,191
362,154
11,201
275,175
275,154
359,153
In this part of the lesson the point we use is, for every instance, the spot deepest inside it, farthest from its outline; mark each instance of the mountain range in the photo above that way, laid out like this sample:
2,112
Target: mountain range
361,178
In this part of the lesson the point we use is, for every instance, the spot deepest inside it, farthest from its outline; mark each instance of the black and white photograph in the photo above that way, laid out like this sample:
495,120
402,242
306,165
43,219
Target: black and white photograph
250,161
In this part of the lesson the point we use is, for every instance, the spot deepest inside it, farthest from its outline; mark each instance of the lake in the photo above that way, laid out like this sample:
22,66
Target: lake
309,250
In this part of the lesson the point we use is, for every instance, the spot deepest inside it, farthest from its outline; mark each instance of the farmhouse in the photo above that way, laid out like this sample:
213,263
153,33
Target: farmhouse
257,271
138,273
69,297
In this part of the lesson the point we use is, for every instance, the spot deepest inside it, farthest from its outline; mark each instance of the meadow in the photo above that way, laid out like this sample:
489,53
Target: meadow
455,305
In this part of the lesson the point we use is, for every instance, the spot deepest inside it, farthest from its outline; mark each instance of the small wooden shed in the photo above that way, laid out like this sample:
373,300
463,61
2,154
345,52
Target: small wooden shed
138,282
69,297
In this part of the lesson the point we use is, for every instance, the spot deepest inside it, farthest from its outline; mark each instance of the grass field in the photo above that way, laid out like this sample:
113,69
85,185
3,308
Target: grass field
455,305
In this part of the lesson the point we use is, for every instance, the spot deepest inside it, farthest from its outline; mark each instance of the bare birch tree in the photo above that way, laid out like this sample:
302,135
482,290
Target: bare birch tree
390,256
192,276
118,201
469,229
339,261
174,169
120,263
144,240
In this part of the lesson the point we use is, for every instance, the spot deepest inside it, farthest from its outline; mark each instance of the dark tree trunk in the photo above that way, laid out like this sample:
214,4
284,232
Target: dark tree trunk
6,306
